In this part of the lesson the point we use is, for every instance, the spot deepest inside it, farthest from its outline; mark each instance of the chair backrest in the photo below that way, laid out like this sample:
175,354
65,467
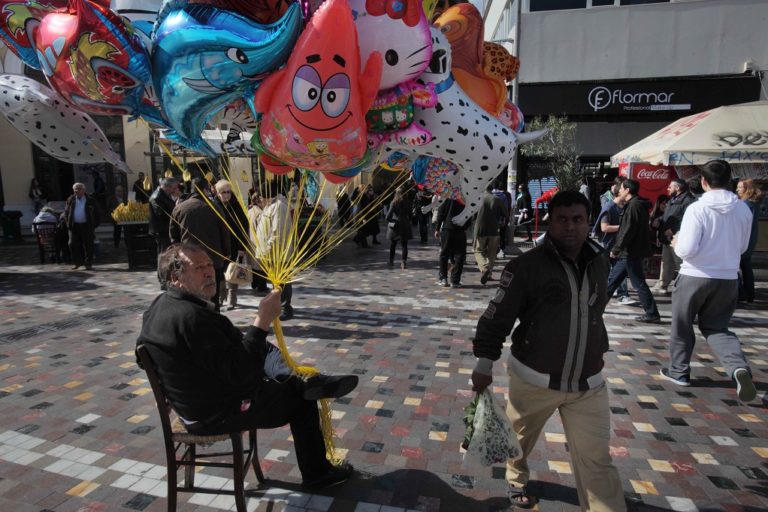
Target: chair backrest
163,407
45,231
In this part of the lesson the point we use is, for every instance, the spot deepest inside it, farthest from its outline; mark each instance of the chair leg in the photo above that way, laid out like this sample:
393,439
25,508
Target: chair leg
255,462
172,482
189,471
239,470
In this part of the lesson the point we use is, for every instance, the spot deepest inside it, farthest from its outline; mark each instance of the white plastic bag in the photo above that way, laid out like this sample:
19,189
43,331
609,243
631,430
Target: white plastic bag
493,440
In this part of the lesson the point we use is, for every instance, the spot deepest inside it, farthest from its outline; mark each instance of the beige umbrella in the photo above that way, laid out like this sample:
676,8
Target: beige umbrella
737,134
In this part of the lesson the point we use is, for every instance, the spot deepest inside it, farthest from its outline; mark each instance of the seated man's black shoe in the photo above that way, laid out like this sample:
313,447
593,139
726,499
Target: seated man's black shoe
334,476
328,386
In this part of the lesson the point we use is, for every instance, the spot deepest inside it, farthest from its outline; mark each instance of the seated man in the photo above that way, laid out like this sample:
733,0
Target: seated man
219,380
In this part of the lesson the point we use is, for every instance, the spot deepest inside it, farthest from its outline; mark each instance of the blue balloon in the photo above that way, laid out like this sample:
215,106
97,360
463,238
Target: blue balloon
205,58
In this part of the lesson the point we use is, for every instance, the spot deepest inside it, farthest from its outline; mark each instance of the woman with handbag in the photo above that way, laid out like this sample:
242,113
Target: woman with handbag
399,226
751,194
236,219
258,203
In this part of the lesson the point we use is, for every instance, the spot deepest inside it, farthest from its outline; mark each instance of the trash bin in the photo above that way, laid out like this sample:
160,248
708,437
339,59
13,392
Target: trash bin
11,225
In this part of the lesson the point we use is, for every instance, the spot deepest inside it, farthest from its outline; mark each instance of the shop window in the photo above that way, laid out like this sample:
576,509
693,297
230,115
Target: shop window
600,3
556,5
55,177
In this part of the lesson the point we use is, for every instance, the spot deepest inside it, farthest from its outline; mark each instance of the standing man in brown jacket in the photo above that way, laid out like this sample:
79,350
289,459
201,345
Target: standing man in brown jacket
195,221
81,215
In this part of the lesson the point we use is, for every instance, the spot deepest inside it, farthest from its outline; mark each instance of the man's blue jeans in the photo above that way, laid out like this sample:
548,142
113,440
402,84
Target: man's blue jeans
623,290
633,267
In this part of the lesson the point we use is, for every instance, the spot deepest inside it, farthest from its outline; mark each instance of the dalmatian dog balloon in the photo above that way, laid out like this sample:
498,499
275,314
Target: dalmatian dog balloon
53,124
463,133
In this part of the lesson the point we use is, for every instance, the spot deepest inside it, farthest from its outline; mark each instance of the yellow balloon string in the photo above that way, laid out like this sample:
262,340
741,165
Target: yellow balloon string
325,409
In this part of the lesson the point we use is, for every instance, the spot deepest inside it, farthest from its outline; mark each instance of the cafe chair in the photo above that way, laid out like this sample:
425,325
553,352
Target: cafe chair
181,448
45,232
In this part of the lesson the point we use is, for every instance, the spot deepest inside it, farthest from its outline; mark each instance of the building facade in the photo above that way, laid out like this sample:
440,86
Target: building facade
623,69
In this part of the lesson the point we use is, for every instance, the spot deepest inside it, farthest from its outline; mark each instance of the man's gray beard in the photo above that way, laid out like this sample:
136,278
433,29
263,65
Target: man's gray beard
197,296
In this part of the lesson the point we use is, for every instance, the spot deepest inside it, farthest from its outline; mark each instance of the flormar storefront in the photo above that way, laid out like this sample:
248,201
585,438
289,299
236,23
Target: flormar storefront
612,115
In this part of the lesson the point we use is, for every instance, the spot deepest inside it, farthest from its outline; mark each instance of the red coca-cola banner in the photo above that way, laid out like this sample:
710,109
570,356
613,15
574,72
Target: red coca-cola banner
653,178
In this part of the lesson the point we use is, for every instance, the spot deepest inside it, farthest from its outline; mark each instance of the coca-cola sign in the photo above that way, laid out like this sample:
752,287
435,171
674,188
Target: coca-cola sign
653,174
653,179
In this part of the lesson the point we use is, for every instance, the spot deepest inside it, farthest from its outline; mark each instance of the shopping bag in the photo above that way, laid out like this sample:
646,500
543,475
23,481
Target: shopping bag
237,272
493,441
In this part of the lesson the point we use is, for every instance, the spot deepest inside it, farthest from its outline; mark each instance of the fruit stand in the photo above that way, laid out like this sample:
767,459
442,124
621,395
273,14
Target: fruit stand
134,218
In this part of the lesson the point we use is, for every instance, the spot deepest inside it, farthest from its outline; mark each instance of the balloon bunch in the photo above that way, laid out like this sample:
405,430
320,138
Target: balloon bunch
332,87
197,59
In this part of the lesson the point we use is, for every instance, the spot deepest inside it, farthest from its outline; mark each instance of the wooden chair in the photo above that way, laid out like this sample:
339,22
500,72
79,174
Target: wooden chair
176,437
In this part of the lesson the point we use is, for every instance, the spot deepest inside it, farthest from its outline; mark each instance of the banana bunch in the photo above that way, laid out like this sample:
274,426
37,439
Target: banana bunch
131,212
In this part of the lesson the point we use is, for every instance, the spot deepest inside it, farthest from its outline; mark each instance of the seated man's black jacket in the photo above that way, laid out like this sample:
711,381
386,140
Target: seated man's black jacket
205,364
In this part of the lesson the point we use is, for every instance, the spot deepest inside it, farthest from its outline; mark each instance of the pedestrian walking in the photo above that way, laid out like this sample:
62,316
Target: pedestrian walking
752,197
632,246
453,243
714,234
399,227
556,359
491,215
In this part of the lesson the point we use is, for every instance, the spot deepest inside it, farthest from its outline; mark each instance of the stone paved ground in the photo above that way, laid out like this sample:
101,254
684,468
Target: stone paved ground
79,431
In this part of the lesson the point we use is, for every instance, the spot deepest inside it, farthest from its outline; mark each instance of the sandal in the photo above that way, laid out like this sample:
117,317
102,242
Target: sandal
519,498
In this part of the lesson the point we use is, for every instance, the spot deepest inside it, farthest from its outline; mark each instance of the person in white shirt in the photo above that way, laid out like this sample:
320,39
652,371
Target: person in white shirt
273,234
713,235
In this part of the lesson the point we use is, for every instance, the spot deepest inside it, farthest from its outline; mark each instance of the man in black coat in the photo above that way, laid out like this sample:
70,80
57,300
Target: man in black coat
161,205
140,195
680,199
81,216
632,246
219,380
453,242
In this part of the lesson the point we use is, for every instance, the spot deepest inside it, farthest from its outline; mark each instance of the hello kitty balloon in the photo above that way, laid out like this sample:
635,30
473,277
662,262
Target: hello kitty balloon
399,31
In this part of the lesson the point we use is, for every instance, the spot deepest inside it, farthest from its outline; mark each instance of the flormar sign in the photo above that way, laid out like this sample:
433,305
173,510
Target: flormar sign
602,97
665,100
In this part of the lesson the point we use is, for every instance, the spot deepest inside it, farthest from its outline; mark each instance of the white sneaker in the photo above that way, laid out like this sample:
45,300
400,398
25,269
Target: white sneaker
626,301
745,388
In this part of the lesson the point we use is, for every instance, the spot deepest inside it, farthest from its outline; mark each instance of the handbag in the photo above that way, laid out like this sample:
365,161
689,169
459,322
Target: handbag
238,272
490,438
